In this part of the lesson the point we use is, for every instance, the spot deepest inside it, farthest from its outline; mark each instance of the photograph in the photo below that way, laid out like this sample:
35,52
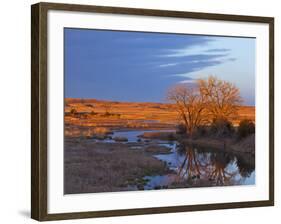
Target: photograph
150,111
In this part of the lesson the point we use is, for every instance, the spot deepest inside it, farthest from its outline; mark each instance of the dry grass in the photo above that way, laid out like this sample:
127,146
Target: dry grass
101,130
246,145
102,167
168,136
92,113
78,131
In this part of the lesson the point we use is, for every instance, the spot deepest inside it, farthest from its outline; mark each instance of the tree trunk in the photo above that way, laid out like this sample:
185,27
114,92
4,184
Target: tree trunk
190,132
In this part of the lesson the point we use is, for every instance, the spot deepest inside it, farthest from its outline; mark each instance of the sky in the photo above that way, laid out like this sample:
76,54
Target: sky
142,66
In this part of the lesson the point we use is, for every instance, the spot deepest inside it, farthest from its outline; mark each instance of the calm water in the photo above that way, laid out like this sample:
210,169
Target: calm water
205,167
194,166
133,136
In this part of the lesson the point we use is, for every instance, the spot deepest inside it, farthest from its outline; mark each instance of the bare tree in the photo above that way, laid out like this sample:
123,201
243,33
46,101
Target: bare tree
210,99
222,97
190,105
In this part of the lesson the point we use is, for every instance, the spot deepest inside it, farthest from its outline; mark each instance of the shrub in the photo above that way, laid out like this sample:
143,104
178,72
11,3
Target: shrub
89,105
181,129
202,130
101,130
73,111
93,113
246,127
107,114
221,127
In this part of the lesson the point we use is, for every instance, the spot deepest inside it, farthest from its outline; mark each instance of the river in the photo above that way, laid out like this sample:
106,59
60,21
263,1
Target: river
193,166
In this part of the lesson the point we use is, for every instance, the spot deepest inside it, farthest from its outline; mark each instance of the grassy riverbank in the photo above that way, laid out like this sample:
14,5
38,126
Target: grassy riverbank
246,145
106,167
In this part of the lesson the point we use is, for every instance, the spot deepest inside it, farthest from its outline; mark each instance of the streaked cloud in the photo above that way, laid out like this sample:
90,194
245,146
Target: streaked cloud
188,81
167,65
217,50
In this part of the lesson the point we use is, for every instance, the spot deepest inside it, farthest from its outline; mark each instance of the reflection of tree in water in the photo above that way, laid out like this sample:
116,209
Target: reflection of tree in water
218,172
211,167
190,167
246,165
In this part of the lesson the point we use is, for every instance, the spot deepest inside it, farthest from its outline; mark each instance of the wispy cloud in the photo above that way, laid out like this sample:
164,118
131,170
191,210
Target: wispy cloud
194,50
216,50
167,65
188,59
188,81
185,75
184,69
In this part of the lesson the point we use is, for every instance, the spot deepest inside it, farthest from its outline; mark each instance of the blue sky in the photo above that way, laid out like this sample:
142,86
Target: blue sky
139,66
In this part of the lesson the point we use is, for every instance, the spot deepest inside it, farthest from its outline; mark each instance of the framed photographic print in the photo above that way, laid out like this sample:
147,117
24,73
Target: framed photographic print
139,111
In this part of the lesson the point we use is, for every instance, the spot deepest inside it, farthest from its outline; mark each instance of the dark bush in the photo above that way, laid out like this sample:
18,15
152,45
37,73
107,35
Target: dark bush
201,131
89,105
93,113
246,127
221,127
73,111
107,114
181,129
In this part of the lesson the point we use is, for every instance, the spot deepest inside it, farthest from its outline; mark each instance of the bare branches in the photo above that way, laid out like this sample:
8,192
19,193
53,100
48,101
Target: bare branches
190,105
222,97
210,99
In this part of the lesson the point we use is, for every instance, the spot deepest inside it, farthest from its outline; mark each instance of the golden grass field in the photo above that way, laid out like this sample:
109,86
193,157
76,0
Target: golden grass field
99,113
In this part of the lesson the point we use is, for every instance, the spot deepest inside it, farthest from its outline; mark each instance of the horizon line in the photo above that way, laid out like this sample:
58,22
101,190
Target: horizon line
123,101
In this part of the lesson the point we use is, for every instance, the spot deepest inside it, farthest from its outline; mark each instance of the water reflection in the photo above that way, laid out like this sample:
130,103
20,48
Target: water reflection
191,166
200,167
194,166
246,165
219,174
